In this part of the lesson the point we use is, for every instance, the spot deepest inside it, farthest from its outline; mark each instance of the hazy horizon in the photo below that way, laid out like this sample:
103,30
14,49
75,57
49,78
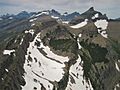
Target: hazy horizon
109,7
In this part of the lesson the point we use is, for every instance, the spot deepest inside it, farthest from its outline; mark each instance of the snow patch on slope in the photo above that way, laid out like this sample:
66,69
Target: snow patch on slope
21,41
8,52
80,35
79,46
95,16
31,31
79,25
78,41
2,79
117,86
76,80
102,26
33,24
6,70
117,67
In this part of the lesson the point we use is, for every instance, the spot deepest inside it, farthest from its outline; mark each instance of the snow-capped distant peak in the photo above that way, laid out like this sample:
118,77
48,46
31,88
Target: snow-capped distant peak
33,16
1,19
43,12
38,14
55,17
65,14
31,20
10,17
79,25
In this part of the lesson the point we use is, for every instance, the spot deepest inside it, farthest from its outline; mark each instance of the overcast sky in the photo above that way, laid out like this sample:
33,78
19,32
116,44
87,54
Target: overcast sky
110,7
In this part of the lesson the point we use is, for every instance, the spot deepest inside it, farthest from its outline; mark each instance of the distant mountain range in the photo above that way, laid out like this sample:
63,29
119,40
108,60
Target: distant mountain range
24,15
65,16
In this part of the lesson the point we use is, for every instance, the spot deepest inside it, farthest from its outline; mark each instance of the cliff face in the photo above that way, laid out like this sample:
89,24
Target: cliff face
53,56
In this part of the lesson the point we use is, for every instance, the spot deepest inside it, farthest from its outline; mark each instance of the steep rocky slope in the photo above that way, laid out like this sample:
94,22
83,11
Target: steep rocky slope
49,55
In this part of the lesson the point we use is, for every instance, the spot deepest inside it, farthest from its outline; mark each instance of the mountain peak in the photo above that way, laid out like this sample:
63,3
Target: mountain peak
53,10
91,9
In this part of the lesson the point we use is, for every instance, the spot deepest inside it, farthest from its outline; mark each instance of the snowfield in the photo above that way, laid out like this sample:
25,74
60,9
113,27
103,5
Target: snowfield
76,80
102,26
79,25
8,52
42,69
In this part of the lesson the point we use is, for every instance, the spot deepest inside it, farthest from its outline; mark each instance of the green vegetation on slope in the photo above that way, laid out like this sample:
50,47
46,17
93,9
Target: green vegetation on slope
65,45
97,53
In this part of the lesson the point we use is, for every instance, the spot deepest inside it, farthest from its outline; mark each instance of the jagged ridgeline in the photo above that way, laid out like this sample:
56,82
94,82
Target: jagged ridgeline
50,51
